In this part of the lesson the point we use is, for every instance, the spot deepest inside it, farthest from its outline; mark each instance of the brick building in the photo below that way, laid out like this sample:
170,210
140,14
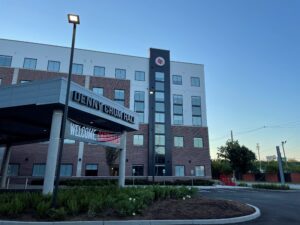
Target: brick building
169,97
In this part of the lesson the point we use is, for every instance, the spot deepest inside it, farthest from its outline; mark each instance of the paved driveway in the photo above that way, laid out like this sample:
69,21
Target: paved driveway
277,207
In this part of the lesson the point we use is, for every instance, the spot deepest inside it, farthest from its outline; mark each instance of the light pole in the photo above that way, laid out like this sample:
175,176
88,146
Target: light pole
74,19
285,159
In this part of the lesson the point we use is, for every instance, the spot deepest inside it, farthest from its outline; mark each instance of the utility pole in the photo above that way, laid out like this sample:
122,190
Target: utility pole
257,146
231,135
282,143
280,165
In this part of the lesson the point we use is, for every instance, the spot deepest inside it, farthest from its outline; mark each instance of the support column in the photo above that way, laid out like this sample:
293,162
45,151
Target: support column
2,151
15,76
4,166
52,152
79,159
122,162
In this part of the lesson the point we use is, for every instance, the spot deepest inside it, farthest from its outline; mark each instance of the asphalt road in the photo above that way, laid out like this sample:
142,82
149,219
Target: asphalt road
277,207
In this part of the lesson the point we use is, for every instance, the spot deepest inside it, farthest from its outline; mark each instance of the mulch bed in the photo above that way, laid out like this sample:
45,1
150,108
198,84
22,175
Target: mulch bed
195,208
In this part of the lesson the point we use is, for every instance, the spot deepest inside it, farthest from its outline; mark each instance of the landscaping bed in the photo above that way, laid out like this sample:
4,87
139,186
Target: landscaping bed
112,203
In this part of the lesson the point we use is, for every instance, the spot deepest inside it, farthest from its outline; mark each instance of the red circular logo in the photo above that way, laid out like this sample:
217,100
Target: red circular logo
160,61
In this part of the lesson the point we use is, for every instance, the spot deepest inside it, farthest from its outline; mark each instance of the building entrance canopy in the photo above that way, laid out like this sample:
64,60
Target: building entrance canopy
26,111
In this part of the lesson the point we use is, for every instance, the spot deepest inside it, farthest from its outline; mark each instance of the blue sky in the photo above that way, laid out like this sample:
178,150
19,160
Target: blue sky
250,49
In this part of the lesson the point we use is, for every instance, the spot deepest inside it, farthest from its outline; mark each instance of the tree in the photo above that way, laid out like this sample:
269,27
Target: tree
219,167
241,159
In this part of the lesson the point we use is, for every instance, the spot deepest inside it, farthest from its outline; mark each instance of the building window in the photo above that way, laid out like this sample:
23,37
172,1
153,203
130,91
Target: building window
38,170
120,74
178,141
195,81
137,170
177,79
159,96
177,109
77,69
66,170
53,66
159,86
159,117
159,76
138,139
5,60
91,170
199,171
179,171
98,90
159,128
13,170
99,71
139,75
196,111
139,104
198,142
120,97
159,106
160,140
29,63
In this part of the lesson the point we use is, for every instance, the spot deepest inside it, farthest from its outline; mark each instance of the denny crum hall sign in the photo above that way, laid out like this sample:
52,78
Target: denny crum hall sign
31,106
98,105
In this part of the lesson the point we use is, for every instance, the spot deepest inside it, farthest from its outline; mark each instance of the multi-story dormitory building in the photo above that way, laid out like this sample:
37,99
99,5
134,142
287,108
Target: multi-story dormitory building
169,97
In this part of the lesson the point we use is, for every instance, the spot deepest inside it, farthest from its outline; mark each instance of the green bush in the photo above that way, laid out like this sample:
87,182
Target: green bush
271,186
42,209
243,184
57,214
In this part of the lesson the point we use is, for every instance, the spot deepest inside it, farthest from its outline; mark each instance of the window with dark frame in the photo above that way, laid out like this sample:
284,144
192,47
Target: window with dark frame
139,75
77,68
119,96
99,71
196,111
139,104
29,63
53,66
5,60
177,109
120,74
177,79
195,81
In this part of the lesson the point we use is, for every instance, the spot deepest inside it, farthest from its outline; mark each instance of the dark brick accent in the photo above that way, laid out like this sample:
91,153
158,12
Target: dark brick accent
189,156
109,85
6,74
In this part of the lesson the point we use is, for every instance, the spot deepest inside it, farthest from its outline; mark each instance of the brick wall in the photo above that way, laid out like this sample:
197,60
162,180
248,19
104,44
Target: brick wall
6,75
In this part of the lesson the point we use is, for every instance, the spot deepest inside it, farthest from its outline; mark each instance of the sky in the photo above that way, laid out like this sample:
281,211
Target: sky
250,50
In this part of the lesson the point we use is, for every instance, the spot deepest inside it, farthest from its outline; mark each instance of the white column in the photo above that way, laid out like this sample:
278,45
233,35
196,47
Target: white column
52,152
122,162
79,159
2,151
4,166
15,76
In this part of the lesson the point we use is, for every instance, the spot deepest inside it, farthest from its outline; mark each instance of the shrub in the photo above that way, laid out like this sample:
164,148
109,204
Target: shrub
243,184
57,214
72,206
42,209
271,186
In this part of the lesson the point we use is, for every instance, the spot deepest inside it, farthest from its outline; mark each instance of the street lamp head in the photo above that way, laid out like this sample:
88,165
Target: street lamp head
73,19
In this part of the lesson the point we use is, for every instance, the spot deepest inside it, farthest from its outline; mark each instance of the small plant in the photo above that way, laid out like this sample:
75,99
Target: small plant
243,184
42,209
57,214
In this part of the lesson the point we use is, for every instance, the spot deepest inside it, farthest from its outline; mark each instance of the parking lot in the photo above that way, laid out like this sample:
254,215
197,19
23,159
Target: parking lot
277,207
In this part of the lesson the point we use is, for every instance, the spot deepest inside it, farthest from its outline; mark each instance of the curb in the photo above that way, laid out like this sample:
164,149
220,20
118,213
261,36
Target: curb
240,219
